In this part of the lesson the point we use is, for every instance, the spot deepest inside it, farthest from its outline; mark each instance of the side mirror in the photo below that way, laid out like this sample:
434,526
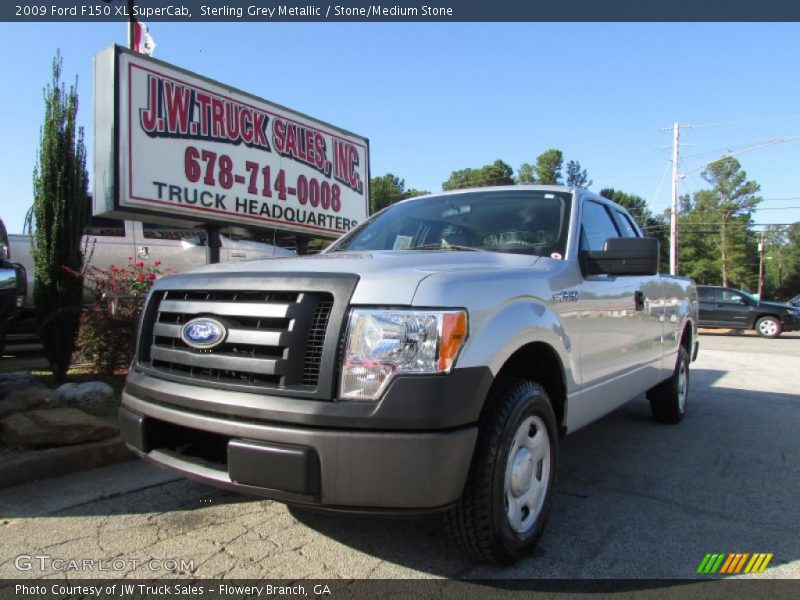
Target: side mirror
623,256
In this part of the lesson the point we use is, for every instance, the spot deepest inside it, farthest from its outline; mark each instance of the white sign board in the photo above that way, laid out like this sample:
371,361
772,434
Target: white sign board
188,147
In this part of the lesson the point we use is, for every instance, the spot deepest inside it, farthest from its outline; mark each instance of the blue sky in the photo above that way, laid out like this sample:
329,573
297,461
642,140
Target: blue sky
433,98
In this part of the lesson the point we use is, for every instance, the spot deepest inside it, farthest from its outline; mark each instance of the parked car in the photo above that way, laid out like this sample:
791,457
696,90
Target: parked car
429,360
729,308
795,301
114,241
12,286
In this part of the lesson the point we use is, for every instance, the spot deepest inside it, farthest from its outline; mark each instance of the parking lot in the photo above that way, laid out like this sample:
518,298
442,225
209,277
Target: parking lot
634,499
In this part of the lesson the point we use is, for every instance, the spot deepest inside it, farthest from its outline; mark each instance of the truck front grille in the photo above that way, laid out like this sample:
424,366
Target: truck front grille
276,339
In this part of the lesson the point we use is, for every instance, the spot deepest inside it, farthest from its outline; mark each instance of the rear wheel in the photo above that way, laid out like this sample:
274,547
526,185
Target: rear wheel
668,398
769,327
509,489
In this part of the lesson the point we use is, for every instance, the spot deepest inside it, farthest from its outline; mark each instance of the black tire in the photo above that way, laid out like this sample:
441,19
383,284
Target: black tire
666,403
769,327
479,523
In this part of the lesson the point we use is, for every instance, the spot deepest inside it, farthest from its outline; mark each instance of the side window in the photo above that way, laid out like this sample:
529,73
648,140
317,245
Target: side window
731,296
705,294
596,226
193,237
625,224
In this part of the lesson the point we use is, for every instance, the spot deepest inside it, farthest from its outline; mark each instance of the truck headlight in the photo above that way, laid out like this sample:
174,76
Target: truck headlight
382,343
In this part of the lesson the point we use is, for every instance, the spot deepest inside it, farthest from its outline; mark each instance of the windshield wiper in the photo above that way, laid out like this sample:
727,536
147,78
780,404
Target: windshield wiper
447,247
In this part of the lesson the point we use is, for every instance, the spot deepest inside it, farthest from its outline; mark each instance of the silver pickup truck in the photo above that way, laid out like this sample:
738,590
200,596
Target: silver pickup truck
429,360
117,242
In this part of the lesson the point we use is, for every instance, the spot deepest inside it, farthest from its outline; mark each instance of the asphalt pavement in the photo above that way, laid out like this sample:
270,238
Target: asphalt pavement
634,499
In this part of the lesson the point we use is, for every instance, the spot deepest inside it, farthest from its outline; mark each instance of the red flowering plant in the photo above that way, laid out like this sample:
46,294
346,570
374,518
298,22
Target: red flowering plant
107,336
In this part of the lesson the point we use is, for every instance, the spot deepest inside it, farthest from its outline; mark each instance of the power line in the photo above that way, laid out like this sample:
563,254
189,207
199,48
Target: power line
750,121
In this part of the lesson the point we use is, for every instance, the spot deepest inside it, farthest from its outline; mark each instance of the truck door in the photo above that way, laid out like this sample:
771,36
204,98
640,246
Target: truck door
728,308
178,248
610,324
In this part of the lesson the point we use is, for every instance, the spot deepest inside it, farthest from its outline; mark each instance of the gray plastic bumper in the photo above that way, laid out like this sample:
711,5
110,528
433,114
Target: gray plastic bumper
327,468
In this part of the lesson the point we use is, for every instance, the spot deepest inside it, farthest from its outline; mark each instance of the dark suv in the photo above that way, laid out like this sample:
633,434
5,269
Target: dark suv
734,309
12,290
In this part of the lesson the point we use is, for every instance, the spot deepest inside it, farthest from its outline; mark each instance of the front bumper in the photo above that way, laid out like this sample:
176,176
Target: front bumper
330,455
791,323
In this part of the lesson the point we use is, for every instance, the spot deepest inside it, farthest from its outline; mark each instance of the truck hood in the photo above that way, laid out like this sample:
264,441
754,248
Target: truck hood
385,277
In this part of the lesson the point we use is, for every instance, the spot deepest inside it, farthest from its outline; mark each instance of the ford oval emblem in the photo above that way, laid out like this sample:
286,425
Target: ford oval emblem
203,333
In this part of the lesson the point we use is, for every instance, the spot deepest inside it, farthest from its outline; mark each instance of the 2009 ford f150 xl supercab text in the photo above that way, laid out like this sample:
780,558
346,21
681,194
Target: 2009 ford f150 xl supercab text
431,359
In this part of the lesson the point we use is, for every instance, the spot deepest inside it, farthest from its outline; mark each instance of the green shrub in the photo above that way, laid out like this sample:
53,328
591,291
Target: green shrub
107,336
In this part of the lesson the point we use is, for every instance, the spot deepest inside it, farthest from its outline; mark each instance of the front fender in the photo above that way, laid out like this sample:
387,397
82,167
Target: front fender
495,337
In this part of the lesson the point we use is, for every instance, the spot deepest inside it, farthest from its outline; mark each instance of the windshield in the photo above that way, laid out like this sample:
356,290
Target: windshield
514,221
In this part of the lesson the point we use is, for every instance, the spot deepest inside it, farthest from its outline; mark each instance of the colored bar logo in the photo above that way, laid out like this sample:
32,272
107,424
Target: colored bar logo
733,563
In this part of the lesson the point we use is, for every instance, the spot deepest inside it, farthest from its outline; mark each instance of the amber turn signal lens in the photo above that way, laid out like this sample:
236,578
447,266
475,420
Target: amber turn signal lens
454,331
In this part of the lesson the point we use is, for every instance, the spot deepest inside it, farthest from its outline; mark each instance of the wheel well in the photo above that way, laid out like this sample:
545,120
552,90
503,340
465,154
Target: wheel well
686,338
759,317
539,361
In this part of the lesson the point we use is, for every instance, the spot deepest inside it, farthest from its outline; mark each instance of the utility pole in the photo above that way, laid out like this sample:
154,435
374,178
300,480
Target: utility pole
761,267
673,221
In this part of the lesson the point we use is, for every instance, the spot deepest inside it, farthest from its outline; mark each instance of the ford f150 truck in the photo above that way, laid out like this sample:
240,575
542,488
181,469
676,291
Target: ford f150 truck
429,360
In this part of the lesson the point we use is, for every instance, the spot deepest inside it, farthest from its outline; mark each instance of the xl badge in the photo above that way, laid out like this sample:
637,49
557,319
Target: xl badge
203,333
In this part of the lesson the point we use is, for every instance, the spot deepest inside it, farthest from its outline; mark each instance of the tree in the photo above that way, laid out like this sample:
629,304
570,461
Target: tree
525,174
782,261
548,167
733,198
384,191
60,196
497,173
388,189
576,176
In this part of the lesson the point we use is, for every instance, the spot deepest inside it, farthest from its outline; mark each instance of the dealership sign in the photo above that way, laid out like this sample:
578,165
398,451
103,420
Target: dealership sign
171,144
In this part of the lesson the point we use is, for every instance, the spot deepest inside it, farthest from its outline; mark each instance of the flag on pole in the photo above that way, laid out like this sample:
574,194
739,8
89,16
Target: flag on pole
142,40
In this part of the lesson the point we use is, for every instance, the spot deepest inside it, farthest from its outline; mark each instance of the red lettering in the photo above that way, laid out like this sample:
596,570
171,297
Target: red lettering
259,130
308,145
291,141
340,161
149,116
232,121
204,100
217,118
179,102
246,125
319,152
278,133
353,165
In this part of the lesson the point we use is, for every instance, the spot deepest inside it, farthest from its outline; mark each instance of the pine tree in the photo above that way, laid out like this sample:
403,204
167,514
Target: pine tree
60,184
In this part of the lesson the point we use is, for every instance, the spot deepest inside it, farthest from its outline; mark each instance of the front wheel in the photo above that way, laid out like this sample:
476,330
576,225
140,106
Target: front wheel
509,489
768,327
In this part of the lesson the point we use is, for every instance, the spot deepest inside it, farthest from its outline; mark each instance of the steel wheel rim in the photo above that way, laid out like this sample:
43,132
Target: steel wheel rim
683,386
768,327
527,474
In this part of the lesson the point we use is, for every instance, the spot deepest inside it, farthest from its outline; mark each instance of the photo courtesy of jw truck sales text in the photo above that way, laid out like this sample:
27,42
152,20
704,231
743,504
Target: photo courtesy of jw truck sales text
169,143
